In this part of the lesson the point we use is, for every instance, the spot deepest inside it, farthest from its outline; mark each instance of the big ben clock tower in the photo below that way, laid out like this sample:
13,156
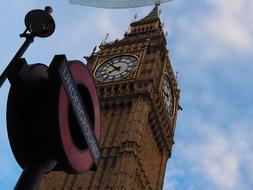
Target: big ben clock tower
139,102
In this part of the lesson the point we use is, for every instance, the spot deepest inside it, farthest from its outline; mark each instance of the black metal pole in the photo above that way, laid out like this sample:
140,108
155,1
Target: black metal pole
32,175
19,54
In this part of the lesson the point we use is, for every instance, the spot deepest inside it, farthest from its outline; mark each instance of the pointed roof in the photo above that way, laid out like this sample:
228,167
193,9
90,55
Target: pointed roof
151,17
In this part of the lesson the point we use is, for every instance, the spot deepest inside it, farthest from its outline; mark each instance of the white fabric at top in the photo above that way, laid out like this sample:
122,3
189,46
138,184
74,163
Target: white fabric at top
116,4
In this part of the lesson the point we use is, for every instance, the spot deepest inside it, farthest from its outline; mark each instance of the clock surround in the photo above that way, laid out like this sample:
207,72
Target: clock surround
168,94
116,68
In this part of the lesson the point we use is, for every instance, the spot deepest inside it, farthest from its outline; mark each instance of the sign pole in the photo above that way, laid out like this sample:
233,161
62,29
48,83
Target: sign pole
39,23
32,175
44,144
19,54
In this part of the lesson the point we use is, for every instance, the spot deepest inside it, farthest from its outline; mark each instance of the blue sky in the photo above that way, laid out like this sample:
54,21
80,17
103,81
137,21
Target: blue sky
210,44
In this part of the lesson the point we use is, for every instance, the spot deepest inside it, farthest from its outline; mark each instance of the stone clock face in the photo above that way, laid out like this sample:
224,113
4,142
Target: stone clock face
116,68
168,96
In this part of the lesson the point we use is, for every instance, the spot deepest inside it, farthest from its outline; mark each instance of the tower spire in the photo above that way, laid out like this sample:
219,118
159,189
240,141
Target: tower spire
150,23
151,17
157,2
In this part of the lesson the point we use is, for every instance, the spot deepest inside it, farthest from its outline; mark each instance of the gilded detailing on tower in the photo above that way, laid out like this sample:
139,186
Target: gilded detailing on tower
138,112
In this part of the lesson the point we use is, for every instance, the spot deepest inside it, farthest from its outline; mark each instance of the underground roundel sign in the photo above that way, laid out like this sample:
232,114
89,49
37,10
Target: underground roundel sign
78,114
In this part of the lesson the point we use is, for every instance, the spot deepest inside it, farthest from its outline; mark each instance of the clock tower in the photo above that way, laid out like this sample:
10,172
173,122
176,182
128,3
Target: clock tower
139,102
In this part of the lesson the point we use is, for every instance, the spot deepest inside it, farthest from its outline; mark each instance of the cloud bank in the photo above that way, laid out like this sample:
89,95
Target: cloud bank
212,49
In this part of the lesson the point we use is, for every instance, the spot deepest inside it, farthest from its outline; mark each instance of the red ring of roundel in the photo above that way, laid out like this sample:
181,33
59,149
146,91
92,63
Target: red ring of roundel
79,160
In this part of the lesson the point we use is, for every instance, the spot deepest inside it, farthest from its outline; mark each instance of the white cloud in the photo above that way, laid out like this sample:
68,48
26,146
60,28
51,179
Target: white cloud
229,22
221,158
219,164
175,171
213,135
221,29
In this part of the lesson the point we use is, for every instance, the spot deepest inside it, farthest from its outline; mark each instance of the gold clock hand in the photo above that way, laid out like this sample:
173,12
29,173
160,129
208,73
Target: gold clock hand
116,68
113,70
109,72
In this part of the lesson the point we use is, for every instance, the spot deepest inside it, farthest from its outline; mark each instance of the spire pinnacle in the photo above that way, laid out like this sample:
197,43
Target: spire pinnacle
157,2
151,17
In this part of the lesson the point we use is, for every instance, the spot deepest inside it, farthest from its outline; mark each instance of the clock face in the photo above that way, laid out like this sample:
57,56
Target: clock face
116,68
168,96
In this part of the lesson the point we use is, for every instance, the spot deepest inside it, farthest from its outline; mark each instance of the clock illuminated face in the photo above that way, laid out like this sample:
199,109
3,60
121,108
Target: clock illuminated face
116,68
168,96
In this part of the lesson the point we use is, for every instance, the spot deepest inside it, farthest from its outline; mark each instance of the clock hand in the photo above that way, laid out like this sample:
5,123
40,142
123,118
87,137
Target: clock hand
116,68
109,72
